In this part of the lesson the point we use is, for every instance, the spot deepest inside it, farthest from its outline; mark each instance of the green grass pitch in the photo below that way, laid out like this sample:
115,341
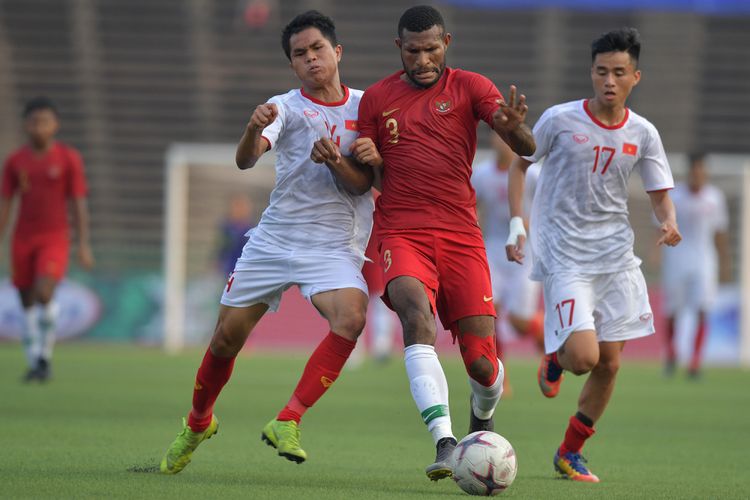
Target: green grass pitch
111,408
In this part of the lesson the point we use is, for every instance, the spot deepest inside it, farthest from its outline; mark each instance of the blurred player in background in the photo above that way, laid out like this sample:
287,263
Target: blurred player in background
516,296
46,175
691,270
423,121
238,220
313,234
595,296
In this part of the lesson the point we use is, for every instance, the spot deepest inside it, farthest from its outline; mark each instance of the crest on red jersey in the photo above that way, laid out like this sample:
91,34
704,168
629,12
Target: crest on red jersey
442,104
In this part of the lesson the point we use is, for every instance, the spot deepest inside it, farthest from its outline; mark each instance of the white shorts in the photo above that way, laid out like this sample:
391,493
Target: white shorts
265,271
511,285
615,305
691,287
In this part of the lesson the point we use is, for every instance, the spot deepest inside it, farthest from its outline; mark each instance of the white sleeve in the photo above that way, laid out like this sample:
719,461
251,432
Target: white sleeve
272,132
653,165
544,134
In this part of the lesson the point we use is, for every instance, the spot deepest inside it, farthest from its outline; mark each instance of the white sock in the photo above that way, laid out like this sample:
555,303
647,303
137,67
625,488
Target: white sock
429,388
486,398
31,337
47,325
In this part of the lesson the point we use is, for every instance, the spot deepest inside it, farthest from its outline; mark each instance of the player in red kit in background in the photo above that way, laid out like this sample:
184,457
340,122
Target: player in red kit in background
423,121
45,174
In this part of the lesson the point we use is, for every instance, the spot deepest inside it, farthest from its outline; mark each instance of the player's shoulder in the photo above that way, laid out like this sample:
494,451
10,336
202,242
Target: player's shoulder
641,122
17,155
714,192
287,99
355,95
565,109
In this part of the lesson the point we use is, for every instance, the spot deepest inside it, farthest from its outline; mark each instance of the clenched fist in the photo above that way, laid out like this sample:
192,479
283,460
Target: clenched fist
263,116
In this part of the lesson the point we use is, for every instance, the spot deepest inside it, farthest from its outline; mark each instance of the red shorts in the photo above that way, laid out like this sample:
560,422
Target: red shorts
452,267
371,270
38,255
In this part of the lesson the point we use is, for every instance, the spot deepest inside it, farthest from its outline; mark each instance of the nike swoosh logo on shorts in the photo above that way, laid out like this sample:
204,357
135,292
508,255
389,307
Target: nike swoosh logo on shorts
387,113
487,299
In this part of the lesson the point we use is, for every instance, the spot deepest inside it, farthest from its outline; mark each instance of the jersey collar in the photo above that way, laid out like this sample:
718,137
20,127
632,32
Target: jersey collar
602,124
329,104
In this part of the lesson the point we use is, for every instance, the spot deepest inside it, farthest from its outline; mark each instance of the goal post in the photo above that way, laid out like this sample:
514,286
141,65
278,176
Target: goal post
745,270
199,178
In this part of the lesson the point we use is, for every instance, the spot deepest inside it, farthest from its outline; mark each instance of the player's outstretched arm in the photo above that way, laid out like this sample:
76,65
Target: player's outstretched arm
517,235
508,122
355,174
665,214
81,221
252,146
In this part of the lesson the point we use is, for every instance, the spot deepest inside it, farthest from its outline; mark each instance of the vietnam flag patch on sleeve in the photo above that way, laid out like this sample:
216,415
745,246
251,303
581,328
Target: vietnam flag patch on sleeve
629,149
351,125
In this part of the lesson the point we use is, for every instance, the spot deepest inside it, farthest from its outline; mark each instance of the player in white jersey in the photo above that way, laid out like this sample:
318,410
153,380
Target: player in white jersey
515,294
690,271
313,235
594,293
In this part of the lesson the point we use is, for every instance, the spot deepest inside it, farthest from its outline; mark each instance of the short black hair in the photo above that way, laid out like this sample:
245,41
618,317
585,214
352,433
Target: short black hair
620,40
38,103
309,19
420,18
695,157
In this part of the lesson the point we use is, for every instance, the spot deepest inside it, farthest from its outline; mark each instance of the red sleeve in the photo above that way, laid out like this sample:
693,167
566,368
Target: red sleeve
77,187
484,96
367,118
10,181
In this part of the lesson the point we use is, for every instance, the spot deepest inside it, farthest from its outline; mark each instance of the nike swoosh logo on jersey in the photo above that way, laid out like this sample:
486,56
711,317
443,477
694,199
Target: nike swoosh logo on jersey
388,113
486,299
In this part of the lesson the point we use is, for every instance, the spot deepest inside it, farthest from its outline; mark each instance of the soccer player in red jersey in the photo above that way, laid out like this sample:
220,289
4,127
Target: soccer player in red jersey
423,122
45,174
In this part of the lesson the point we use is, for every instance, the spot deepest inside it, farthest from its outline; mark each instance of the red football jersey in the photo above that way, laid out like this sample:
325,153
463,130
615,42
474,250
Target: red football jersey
427,138
44,184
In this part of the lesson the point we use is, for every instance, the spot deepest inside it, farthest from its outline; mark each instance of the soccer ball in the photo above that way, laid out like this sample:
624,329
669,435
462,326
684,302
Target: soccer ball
484,464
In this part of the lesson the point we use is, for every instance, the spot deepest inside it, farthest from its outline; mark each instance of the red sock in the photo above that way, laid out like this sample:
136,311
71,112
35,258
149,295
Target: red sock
700,337
670,339
576,434
321,371
213,374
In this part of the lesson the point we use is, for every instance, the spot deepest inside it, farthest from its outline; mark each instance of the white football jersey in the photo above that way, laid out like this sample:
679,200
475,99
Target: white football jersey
580,211
699,216
491,187
309,209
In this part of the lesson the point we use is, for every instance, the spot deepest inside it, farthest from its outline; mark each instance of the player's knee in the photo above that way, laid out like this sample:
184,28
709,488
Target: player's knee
484,371
223,343
479,356
608,367
418,328
583,363
351,323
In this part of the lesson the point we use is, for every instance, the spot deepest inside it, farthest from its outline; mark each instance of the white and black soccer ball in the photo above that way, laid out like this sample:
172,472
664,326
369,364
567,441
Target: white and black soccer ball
484,464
